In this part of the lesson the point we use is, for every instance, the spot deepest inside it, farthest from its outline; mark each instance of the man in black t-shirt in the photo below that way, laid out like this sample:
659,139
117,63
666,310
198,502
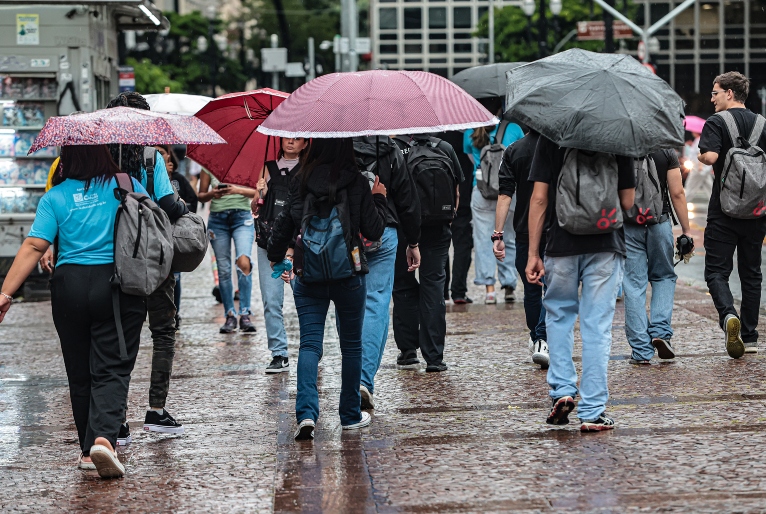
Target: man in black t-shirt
650,260
724,234
596,261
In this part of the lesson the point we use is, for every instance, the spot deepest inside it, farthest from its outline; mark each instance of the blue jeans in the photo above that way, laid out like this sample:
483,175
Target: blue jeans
650,260
273,297
223,227
483,214
380,283
533,295
312,302
601,275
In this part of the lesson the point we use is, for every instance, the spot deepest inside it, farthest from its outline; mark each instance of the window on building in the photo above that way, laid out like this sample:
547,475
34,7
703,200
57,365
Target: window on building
413,49
437,48
481,12
439,60
734,13
417,36
387,18
413,61
463,60
463,48
389,49
442,72
387,37
461,35
461,17
413,18
437,17
437,35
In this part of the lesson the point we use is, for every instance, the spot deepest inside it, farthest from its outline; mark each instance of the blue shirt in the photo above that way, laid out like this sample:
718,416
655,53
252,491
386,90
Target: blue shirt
512,134
162,187
83,220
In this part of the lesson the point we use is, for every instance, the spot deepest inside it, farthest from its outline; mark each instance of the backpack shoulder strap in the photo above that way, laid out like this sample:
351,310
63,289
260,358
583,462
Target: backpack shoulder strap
273,168
500,134
731,125
755,134
124,182
149,160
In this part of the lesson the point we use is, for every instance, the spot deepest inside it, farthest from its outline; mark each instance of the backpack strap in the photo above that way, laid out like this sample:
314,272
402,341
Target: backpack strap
273,168
124,182
500,134
755,134
731,125
149,160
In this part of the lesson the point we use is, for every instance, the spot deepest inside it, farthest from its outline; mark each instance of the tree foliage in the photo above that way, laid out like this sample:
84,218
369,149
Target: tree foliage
151,78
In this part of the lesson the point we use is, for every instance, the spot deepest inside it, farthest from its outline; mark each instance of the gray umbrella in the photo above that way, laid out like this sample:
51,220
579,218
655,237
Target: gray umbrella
599,102
485,81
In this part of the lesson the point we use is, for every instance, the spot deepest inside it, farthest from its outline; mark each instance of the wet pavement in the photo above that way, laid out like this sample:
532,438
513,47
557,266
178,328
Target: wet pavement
471,439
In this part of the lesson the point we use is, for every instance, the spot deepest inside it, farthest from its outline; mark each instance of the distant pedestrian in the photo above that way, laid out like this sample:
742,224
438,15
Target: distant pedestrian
514,180
726,233
329,182
79,212
419,316
592,256
380,157
483,209
650,261
269,201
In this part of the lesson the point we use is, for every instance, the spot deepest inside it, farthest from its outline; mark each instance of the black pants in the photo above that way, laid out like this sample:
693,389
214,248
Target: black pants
162,323
462,244
722,237
419,309
98,379
533,294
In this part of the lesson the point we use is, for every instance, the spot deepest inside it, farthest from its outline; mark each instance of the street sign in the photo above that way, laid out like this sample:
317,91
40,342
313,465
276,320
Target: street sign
295,69
594,30
127,78
344,45
273,59
363,45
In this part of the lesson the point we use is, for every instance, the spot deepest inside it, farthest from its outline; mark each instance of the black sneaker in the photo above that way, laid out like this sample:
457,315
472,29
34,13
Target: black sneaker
164,423
461,300
217,294
664,348
436,368
602,422
509,296
408,360
559,414
230,325
278,365
123,438
245,325
178,322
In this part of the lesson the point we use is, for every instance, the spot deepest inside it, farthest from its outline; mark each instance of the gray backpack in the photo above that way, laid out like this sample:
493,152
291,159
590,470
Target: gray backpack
586,194
743,181
647,208
143,247
488,174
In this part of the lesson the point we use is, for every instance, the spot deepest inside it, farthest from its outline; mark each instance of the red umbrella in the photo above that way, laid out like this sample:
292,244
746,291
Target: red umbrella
236,117
377,102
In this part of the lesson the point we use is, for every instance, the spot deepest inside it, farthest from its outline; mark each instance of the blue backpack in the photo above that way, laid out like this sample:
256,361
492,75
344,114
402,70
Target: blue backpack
330,252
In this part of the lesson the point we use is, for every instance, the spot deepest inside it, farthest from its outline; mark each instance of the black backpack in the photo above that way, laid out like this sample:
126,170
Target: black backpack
374,162
274,203
432,171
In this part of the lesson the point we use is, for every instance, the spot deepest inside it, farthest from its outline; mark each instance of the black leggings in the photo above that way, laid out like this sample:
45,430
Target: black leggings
98,379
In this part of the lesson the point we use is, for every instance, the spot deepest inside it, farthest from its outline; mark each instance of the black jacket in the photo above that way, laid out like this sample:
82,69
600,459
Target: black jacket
368,211
185,190
403,201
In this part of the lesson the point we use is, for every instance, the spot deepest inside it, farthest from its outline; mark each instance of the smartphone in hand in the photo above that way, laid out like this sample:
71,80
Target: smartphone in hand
222,186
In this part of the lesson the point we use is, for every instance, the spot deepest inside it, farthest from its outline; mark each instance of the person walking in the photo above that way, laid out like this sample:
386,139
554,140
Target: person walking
328,173
650,260
514,179
419,316
230,220
269,201
380,157
79,213
725,234
483,212
594,261
161,303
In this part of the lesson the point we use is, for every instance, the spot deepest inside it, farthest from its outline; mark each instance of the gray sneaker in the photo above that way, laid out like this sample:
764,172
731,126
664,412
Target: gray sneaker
751,347
230,325
734,345
664,348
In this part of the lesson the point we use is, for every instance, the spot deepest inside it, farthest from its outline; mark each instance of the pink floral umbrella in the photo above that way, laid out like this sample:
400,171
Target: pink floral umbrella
124,125
376,102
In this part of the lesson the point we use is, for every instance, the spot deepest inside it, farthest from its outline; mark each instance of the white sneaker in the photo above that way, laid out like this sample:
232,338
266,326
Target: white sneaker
531,345
106,462
490,298
366,419
367,401
540,355
305,430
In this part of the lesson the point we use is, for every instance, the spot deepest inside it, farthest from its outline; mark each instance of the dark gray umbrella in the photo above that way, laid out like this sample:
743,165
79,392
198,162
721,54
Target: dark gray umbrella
599,102
485,81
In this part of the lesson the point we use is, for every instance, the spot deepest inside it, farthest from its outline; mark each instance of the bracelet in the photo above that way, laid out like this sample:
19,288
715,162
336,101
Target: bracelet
10,298
498,232
413,246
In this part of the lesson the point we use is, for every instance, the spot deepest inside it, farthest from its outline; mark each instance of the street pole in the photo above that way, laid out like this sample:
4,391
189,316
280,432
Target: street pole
609,30
275,74
762,95
213,58
312,61
542,32
336,50
491,45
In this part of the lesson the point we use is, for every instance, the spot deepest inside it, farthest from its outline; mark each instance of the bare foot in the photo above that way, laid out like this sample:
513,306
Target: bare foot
490,289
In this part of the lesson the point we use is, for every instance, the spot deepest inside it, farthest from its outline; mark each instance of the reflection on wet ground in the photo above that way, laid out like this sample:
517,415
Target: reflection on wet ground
471,439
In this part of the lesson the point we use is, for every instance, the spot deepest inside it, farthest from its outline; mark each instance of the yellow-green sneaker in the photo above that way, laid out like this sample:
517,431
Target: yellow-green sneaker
734,345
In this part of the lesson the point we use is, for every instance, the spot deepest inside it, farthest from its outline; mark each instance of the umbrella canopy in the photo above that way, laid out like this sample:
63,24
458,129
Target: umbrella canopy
376,102
236,117
694,124
176,103
124,125
486,81
599,102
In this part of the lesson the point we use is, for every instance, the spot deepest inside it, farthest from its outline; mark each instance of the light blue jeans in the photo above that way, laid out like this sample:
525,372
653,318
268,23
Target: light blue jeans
273,297
380,284
601,275
223,227
650,260
483,214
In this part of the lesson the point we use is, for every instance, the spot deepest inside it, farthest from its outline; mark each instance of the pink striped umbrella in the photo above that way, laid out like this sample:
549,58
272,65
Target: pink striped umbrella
377,102
124,125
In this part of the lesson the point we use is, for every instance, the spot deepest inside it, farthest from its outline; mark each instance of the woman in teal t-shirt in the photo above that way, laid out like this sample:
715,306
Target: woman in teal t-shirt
79,211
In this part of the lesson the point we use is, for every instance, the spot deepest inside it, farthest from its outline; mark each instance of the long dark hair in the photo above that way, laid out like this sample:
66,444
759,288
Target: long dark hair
132,155
337,153
172,156
85,162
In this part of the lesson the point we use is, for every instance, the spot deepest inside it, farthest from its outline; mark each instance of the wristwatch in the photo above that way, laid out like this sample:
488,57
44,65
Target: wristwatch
496,237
